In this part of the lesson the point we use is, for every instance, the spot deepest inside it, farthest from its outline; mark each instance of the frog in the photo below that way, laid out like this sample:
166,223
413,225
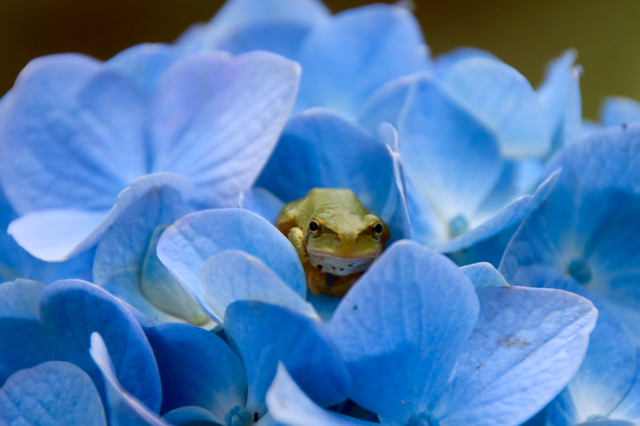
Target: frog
334,234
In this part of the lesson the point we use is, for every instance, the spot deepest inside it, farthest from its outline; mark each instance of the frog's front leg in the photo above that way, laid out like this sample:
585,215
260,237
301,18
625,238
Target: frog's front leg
316,280
342,284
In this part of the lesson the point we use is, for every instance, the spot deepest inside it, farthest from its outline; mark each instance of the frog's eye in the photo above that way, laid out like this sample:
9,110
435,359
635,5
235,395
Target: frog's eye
315,227
376,230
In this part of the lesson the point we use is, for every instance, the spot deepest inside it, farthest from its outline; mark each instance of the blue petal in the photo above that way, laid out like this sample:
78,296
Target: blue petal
527,345
619,111
70,155
197,369
19,299
444,63
192,39
186,415
216,120
28,344
629,407
609,367
386,104
560,96
505,218
124,409
484,275
234,275
265,334
452,159
51,394
71,310
124,258
504,101
144,64
408,319
55,235
608,423
288,404
320,149
194,238
345,59
261,202
426,227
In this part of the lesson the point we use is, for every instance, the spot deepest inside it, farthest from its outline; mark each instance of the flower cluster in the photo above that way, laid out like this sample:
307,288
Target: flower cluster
144,281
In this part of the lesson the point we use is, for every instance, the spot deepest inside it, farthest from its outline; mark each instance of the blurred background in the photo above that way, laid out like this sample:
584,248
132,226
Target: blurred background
524,33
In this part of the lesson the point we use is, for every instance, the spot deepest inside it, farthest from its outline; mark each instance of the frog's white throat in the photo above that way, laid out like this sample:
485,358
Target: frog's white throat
339,266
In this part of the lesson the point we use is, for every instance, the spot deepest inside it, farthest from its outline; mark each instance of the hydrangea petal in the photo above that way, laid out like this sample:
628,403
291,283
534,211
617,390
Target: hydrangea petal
261,202
484,275
186,415
561,99
28,345
377,44
320,149
124,409
408,319
619,111
289,405
444,63
504,101
235,275
144,64
386,104
70,156
505,218
71,310
19,299
216,120
521,355
197,370
51,394
452,159
629,407
194,238
265,334
55,235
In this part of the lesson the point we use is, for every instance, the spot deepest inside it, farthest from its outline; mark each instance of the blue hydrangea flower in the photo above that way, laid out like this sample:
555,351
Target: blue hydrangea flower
209,126
422,348
47,331
619,111
588,228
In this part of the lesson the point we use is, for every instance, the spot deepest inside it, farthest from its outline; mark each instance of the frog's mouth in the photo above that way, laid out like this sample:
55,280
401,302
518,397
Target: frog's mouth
337,265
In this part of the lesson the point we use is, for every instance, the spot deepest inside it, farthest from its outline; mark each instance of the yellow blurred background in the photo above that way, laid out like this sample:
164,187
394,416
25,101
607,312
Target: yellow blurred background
524,33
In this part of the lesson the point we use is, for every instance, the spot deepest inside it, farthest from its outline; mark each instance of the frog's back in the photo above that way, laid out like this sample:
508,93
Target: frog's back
328,201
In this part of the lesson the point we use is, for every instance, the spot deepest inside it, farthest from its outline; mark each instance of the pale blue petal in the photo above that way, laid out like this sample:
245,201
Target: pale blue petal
484,275
124,409
65,126
560,411
289,405
265,334
234,275
186,415
609,367
144,64
589,127
71,310
55,235
426,226
629,407
197,369
504,101
320,149
386,104
527,345
346,58
20,299
194,238
619,111
408,319
443,63
504,219
608,423
452,159
216,120
51,394
562,101
192,39
261,202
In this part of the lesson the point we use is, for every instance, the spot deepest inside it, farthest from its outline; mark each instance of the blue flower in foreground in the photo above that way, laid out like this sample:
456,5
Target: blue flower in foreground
344,58
619,111
46,371
422,348
607,384
209,126
589,227
463,133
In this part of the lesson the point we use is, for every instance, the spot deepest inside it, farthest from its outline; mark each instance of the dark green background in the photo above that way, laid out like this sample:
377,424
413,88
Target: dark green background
524,33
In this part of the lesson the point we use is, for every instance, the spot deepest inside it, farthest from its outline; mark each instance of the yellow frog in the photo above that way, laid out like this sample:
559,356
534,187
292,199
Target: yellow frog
333,233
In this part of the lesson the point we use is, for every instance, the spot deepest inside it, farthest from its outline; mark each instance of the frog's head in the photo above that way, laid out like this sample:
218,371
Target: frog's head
344,241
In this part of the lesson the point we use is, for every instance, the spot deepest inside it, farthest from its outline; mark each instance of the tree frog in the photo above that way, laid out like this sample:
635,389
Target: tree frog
333,233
